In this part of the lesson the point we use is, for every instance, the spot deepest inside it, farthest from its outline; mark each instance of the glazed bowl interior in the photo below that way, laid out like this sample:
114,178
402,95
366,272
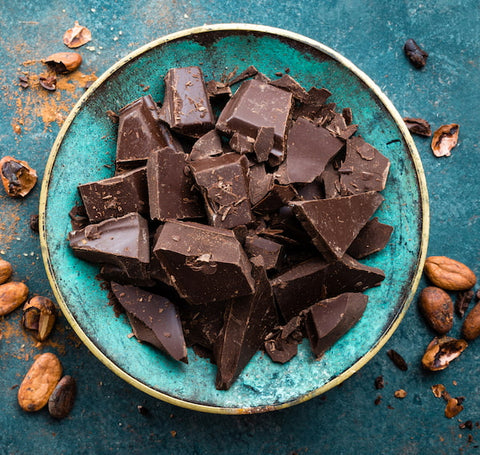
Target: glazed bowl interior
85,151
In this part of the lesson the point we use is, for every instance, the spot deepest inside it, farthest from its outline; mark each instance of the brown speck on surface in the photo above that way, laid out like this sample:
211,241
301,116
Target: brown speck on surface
34,223
113,116
390,406
453,407
397,360
378,400
77,36
438,390
400,393
173,433
468,424
379,382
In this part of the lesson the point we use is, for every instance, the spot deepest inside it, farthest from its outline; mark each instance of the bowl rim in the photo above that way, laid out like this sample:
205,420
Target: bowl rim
411,149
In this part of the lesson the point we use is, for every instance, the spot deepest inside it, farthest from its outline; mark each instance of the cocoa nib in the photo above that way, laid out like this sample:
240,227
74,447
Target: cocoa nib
414,53
444,139
418,126
23,81
463,301
379,382
48,82
34,223
441,351
397,360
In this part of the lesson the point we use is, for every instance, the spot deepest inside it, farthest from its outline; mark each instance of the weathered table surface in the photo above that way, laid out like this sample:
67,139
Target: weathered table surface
344,420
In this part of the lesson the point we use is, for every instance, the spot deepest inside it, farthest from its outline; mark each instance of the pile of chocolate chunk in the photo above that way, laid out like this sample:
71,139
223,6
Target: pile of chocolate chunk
234,222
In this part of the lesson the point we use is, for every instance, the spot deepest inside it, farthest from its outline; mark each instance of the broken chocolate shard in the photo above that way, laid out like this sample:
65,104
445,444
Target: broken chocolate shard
328,320
202,323
247,321
122,242
207,145
158,314
264,143
289,84
245,74
78,217
241,144
347,115
281,344
116,196
364,168
309,148
339,128
260,183
218,91
207,264
316,279
171,190
311,191
254,105
224,186
372,238
140,132
333,224
277,197
313,104
270,251
186,106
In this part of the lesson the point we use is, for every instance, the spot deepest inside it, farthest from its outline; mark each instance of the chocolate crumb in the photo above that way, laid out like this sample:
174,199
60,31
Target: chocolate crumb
463,301
467,424
34,223
400,393
397,360
378,400
143,410
390,407
379,382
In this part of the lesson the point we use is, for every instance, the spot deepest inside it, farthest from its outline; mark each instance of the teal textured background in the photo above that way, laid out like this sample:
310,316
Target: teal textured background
345,420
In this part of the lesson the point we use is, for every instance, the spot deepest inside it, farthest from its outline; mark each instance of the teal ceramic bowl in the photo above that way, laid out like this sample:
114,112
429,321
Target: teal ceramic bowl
86,144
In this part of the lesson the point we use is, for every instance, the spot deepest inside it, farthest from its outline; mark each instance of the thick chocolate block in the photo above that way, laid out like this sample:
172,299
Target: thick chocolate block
328,320
186,106
241,144
207,145
315,280
372,238
122,242
270,251
116,196
224,186
309,148
364,168
158,314
206,264
334,223
140,132
247,321
254,105
170,189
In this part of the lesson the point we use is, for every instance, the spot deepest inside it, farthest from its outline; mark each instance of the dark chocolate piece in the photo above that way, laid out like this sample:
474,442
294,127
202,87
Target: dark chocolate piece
209,144
142,277
78,217
414,53
270,251
206,264
311,191
328,320
313,104
330,179
289,84
158,314
256,104
245,74
309,148
116,196
372,238
264,143
316,279
202,323
334,223
247,321
186,106
241,144
339,128
347,115
224,186
364,168
170,189
282,344
277,197
218,91
122,242
418,126
140,132
260,183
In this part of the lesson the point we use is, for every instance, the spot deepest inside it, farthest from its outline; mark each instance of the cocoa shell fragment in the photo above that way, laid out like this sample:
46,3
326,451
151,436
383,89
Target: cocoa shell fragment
444,139
17,176
441,351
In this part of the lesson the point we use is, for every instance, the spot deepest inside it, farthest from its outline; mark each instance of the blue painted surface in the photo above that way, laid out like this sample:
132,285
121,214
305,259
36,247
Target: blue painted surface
345,420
